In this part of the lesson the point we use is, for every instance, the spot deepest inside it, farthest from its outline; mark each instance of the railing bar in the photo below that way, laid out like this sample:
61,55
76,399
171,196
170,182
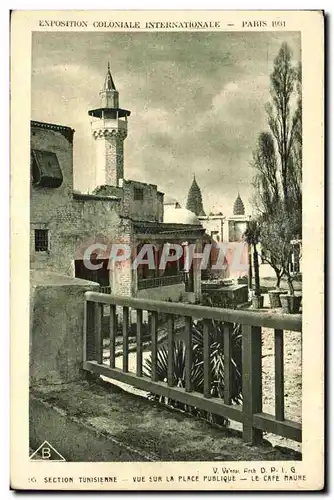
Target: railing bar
251,381
189,352
228,329
125,339
112,335
154,345
98,332
213,405
139,362
253,426
206,358
279,375
171,341
286,428
268,320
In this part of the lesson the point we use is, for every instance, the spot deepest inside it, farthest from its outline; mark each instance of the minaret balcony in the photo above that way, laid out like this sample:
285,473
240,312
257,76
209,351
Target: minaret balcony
109,124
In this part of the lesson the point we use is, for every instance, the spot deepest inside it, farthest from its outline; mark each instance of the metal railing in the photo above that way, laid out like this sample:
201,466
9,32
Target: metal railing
250,413
160,281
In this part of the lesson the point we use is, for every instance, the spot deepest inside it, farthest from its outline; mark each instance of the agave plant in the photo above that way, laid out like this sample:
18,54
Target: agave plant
179,356
216,357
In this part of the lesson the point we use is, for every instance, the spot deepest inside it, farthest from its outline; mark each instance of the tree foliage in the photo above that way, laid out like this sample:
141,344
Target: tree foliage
266,180
276,236
282,120
277,160
252,237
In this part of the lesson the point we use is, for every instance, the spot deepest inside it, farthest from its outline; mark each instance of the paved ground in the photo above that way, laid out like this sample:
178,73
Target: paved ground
151,429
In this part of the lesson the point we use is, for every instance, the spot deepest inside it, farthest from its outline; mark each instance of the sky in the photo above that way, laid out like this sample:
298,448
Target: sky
197,103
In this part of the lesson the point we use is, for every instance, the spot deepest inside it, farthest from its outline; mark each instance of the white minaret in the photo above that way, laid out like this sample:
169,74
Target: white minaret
109,129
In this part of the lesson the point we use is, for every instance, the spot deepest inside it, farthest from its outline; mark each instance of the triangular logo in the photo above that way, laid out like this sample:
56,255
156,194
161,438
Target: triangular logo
47,452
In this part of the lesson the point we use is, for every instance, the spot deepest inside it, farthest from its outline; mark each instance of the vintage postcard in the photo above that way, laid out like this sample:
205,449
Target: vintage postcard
167,235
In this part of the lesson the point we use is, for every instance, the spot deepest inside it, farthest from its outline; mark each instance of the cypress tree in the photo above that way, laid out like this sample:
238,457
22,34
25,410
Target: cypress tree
194,201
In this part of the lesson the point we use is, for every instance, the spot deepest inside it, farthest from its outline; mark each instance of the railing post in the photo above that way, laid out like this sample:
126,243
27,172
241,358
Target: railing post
206,359
98,332
139,340
125,339
171,340
189,352
112,335
279,375
89,329
251,381
154,345
228,329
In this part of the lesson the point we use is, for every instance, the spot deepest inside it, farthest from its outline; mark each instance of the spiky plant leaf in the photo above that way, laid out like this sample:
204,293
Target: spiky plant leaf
216,359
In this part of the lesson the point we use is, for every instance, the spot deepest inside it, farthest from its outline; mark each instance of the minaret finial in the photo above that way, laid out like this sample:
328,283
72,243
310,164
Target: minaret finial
108,82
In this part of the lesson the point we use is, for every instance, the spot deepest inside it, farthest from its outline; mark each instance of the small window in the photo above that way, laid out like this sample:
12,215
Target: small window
41,240
45,169
138,194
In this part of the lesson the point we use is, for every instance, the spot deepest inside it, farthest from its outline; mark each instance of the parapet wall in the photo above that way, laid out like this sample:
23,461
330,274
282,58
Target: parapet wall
56,327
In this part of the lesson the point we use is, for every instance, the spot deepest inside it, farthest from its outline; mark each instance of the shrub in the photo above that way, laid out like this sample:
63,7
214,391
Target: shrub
217,364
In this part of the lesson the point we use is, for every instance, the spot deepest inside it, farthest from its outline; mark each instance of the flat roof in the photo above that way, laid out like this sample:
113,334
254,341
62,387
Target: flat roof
88,197
149,227
67,132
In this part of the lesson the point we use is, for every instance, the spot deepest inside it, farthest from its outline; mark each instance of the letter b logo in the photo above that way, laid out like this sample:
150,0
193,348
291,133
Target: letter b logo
46,453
